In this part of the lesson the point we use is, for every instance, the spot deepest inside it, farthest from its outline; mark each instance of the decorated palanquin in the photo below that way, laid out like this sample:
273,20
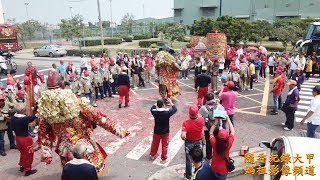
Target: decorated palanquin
66,121
167,69
217,46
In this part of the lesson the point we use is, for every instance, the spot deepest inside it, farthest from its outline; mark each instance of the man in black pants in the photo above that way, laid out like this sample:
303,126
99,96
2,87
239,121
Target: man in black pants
207,112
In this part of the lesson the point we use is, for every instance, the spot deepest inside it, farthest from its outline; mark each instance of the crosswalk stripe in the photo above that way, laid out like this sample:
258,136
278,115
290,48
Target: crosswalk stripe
307,86
304,102
303,107
305,93
311,83
298,119
174,147
300,113
306,89
306,97
141,148
115,145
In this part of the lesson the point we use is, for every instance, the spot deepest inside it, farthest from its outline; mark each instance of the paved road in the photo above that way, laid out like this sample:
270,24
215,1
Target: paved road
128,158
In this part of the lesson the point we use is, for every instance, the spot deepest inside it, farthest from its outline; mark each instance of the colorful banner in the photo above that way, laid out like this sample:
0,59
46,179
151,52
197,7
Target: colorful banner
217,46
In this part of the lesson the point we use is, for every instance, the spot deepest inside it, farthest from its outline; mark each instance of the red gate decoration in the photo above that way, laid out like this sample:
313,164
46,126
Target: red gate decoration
217,46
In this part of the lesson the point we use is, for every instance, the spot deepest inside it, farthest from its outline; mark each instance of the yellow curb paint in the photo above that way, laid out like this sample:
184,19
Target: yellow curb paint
265,98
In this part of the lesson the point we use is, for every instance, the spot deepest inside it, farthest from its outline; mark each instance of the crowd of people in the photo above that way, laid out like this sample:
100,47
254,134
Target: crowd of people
211,121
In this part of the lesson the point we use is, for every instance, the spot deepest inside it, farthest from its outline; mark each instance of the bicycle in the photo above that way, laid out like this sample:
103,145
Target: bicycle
11,64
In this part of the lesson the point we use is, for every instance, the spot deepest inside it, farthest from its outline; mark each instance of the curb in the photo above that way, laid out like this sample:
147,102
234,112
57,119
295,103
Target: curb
177,171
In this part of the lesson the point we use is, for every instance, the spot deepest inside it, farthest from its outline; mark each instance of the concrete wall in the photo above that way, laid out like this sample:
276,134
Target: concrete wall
269,10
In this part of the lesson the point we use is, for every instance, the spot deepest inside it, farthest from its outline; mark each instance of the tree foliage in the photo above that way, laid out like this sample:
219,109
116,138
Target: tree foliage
202,27
26,29
175,32
286,35
72,28
127,22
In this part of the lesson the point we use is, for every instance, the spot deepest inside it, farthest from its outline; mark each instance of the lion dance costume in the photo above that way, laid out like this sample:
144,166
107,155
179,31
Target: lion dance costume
167,69
66,121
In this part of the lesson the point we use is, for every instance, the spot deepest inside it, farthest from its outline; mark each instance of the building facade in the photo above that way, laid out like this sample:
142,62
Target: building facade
187,11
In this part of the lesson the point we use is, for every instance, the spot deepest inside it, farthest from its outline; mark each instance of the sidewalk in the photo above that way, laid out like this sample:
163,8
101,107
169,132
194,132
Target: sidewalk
177,171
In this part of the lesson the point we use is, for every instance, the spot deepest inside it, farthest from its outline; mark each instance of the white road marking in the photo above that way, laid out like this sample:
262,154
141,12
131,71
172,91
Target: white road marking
300,113
305,93
304,102
114,146
303,107
306,97
174,147
306,89
141,148
311,83
21,75
299,119
307,86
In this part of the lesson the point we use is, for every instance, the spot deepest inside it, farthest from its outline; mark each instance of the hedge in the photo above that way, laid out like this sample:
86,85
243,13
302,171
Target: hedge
142,36
127,39
97,42
88,52
146,44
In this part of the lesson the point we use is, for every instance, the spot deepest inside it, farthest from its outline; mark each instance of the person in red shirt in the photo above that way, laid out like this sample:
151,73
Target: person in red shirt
278,86
147,68
263,66
192,134
93,62
221,146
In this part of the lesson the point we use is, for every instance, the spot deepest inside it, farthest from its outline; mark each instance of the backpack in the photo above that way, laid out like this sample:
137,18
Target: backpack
209,120
243,71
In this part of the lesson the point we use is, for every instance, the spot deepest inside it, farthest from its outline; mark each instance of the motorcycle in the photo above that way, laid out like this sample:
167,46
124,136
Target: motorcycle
9,62
3,66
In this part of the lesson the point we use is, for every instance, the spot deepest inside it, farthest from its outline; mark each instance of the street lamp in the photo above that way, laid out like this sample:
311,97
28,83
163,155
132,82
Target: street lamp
100,22
71,12
26,4
111,18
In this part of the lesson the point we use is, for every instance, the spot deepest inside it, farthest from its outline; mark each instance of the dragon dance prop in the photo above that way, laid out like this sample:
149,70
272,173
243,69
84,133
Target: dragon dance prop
167,69
66,121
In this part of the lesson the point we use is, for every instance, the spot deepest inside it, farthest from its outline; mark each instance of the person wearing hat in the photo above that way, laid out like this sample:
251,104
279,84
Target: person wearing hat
192,134
278,86
244,74
207,111
74,83
203,81
97,83
83,64
228,99
252,72
221,145
263,66
106,78
124,86
4,119
20,123
148,64
134,67
85,85
161,128
234,76
93,63
299,77
313,115
114,70
197,71
290,105
309,66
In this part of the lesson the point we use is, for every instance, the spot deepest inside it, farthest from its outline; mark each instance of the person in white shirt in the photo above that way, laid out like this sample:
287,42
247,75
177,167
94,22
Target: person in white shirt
294,64
184,67
221,65
240,51
313,115
271,63
83,64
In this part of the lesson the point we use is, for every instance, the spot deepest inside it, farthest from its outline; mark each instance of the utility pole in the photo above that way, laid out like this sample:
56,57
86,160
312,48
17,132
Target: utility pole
111,18
100,22
144,21
71,12
26,4
220,9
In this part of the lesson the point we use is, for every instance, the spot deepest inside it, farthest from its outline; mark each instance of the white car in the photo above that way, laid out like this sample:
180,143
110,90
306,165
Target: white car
50,50
293,146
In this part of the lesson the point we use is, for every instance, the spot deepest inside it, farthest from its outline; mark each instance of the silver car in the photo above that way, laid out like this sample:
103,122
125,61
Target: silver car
50,50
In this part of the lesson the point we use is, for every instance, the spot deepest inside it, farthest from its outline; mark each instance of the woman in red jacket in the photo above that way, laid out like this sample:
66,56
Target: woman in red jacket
221,145
263,66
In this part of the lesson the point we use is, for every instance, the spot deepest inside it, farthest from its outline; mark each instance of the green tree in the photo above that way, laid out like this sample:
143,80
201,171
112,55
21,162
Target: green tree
259,30
72,28
202,27
286,35
106,24
26,30
175,32
127,22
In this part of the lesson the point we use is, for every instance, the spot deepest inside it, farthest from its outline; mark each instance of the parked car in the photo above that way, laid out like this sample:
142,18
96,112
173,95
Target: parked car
50,50
292,146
